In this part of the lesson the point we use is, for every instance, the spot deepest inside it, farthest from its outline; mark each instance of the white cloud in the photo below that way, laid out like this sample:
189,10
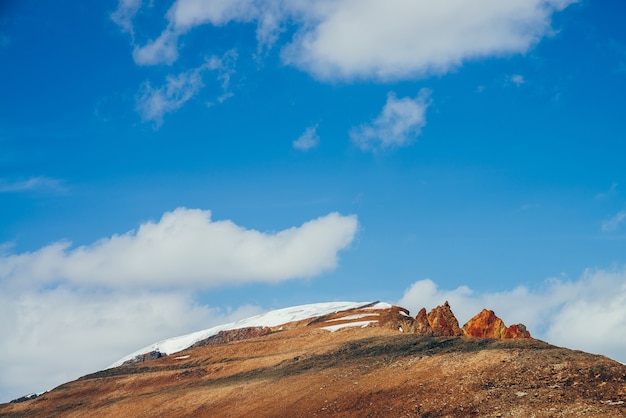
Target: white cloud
186,14
615,222
154,103
399,123
401,39
309,139
587,314
517,79
187,248
162,50
33,183
345,39
53,336
124,14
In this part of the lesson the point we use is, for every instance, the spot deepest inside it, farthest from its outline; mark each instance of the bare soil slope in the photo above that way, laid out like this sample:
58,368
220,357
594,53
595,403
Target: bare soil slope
303,370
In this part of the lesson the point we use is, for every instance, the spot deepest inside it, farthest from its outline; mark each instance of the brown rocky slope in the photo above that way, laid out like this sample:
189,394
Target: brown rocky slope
387,364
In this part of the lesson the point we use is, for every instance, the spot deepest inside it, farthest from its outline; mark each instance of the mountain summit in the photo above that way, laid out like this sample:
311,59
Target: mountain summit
346,359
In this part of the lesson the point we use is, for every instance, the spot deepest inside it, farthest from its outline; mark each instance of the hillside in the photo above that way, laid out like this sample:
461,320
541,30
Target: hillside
372,360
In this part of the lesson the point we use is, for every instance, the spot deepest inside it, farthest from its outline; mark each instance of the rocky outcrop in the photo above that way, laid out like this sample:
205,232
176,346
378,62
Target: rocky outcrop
439,322
234,335
422,326
517,331
26,398
395,317
152,355
443,322
487,325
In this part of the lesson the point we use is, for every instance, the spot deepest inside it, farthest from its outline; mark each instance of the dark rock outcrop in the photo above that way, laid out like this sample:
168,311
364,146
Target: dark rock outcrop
234,335
25,398
152,355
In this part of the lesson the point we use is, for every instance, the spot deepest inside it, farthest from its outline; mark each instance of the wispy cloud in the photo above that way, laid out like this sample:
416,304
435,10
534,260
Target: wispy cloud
517,79
587,314
46,184
154,102
609,192
615,222
124,14
162,50
342,39
399,123
309,139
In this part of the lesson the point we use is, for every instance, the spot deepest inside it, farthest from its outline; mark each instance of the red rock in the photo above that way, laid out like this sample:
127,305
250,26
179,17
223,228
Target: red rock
422,326
396,317
517,331
443,322
485,325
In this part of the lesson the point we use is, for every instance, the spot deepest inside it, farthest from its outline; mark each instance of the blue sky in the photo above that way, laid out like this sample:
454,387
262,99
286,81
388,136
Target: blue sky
168,166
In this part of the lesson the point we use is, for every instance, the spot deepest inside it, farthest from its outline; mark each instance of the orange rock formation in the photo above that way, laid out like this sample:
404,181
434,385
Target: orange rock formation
443,322
485,325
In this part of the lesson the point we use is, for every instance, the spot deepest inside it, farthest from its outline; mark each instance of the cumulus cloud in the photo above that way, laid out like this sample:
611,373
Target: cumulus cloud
309,139
345,39
56,335
153,103
587,314
187,248
399,123
615,222
69,311
402,38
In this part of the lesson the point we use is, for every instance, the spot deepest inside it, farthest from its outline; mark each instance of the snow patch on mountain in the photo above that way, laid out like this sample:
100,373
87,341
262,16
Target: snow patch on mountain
355,316
361,324
269,319
379,306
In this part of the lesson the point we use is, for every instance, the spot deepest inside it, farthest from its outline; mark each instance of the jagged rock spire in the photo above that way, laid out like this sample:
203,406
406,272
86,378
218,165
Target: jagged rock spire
443,322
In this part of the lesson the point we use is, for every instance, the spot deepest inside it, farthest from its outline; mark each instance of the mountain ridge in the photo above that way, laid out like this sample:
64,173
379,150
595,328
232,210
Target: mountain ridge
373,359
440,321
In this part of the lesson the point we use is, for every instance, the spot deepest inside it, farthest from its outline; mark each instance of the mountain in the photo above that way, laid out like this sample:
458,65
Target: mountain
349,360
